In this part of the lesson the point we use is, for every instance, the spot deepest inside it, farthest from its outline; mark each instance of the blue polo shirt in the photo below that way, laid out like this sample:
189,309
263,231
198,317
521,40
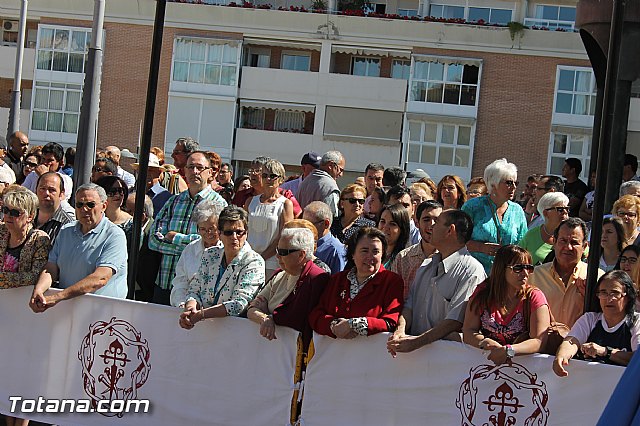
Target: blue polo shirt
78,255
332,252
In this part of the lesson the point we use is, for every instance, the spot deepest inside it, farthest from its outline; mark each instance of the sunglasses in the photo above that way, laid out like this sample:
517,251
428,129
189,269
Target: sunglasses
98,169
511,182
89,204
115,191
354,200
11,212
285,252
30,164
270,176
558,209
521,267
239,232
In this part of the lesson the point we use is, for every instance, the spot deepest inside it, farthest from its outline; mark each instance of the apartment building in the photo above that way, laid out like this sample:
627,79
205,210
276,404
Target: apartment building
447,94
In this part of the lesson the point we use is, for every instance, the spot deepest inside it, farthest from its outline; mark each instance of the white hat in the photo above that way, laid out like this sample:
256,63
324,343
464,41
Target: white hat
153,162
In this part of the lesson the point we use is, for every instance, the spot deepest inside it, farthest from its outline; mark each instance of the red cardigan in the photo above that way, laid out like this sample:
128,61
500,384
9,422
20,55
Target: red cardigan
380,300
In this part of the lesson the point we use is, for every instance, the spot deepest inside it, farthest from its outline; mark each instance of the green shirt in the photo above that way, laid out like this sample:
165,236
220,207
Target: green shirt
532,242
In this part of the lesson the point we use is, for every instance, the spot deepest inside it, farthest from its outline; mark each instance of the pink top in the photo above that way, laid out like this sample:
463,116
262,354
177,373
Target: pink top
505,330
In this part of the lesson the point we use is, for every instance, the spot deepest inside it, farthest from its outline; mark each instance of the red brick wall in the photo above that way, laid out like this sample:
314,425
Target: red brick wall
6,86
514,109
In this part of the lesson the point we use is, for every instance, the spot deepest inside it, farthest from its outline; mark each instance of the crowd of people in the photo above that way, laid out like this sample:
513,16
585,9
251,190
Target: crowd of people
478,262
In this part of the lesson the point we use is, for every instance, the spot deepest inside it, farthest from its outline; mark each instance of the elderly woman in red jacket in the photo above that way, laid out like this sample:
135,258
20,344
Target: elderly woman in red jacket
364,299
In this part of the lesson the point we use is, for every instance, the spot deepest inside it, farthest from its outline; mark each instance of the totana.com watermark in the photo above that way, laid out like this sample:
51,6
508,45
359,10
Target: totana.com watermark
43,405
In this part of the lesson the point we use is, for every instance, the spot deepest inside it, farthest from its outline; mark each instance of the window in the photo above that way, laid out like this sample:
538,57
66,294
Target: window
204,62
368,67
289,121
442,144
448,83
62,49
575,91
565,145
445,11
408,12
296,62
56,107
252,118
400,69
490,15
258,58
553,17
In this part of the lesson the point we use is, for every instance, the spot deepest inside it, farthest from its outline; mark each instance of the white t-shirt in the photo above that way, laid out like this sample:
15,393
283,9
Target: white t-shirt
587,322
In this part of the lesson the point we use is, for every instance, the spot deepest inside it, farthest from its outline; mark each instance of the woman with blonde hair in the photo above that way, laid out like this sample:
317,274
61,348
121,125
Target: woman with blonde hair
351,218
268,212
627,208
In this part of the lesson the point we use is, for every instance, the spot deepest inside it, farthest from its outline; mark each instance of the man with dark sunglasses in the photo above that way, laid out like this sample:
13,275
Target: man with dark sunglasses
87,257
173,228
103,167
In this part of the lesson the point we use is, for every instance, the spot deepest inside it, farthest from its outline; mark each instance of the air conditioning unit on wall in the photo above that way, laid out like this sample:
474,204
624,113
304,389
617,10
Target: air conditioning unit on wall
10,26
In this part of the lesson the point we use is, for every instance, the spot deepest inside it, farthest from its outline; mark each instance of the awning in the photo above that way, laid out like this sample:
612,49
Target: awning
234,42
434,118
449,60
292,44
282,106
582,131
370,51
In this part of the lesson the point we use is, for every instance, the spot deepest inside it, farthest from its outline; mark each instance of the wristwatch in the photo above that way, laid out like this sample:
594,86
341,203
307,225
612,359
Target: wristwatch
510,351
609,350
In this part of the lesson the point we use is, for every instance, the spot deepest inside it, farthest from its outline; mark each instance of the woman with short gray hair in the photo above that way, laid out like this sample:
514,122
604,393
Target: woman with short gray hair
294,290
497,221
538,241
205,215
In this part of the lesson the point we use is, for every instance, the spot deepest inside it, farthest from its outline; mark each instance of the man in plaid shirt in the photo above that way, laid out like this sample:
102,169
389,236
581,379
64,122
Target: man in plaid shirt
173,228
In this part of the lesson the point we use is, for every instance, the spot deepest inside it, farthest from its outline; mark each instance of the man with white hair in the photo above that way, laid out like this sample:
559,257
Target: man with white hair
321,184
631,187
89,255
113,152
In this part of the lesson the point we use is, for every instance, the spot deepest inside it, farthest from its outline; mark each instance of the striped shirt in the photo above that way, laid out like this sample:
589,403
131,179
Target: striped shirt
175,216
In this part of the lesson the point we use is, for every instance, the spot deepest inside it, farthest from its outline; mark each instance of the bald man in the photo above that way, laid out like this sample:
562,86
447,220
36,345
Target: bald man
18,147
113,152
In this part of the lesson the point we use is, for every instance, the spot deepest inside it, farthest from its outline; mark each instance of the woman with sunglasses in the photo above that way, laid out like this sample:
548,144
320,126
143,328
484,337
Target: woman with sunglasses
629,262
497,221
351,218
612,242
29,164
23,249
505,315
627,208
268,212
611,334
229,277
538,241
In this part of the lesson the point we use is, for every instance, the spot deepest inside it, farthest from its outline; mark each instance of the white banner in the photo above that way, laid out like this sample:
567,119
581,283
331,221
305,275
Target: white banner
223,372
356,382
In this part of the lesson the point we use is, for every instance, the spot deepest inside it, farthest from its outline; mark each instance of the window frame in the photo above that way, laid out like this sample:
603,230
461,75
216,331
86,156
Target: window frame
368,61
295,54
584,156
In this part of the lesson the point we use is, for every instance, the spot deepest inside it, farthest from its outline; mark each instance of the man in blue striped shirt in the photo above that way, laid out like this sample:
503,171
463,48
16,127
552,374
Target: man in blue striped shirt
173,228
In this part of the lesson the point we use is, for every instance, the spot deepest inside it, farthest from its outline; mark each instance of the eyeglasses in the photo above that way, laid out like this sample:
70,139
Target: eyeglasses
238,232
285,252
99,169
614,295
89,204
631,260
115,191
210,230
521,267
511,182
626,214
11,212
197,168
559,209
354,200
270,176
29,164
340,169
255,171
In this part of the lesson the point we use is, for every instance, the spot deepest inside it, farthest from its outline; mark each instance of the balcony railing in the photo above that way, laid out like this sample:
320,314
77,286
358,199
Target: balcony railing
550,24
